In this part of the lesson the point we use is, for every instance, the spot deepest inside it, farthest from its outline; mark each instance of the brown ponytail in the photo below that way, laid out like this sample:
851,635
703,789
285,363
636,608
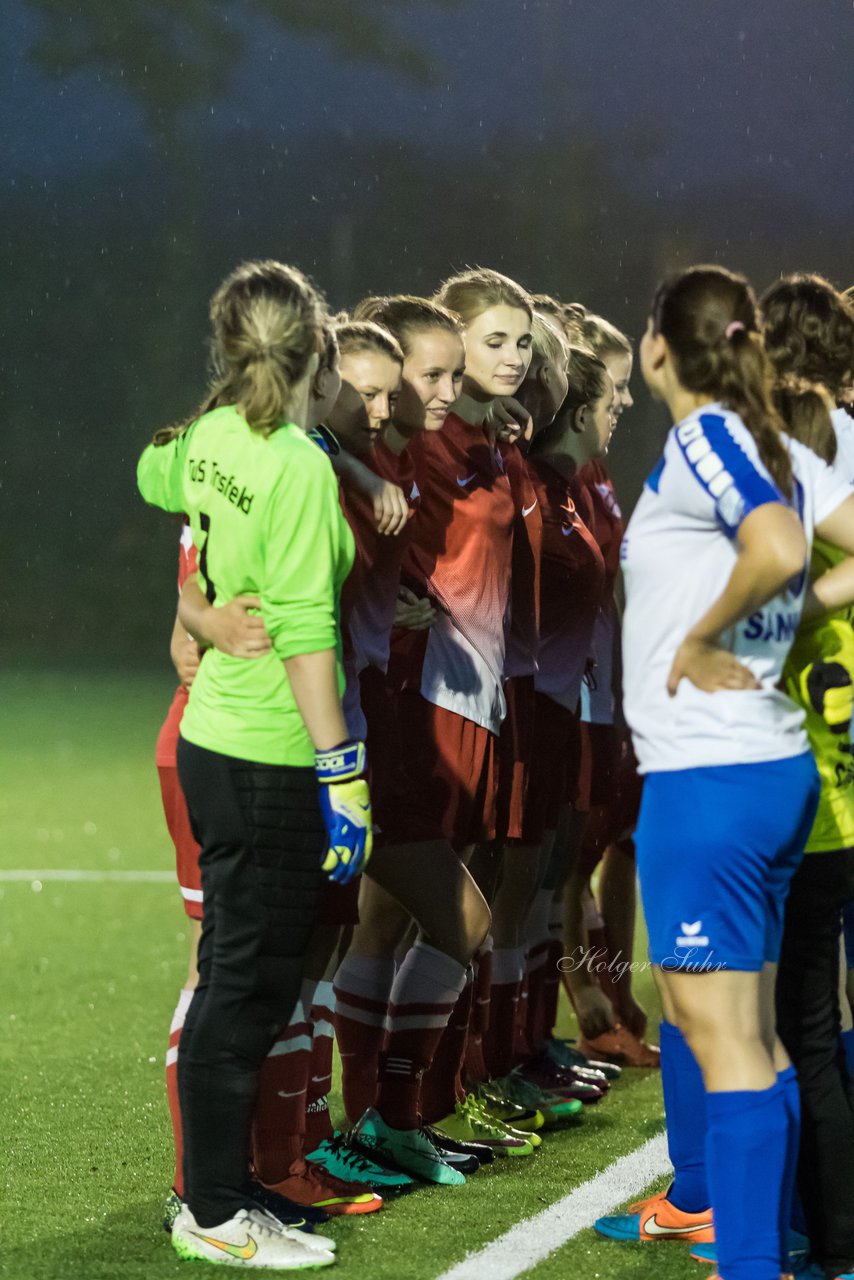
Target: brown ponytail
586,329
803,406
267,321
405,316
708,317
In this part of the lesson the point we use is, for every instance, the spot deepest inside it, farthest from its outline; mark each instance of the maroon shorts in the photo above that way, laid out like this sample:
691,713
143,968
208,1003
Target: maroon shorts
553,778
612,821
186,849
339,904
597,773
515,752
624,807
434,772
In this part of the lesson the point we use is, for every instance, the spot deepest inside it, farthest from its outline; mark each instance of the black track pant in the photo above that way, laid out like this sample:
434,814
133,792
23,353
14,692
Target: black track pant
262,838
809,1025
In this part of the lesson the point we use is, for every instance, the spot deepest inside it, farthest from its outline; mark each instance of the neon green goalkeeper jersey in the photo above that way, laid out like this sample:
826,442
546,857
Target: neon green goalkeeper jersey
829,640
265,516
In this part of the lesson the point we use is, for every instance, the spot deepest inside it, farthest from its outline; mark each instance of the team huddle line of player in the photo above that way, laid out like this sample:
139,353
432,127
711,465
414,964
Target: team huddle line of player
399,649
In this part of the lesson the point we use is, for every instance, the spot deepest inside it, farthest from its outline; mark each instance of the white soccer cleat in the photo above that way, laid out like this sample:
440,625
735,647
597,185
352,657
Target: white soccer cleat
252,1238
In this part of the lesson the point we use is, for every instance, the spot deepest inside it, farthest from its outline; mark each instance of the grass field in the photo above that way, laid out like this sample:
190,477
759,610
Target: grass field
90,977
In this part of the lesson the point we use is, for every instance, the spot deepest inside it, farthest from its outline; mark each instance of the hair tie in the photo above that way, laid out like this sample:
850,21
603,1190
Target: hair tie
733,327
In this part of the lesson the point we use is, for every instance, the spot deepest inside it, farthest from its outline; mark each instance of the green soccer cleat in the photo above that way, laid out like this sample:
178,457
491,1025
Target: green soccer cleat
337,1157
252,1238
404,1150
525,1119
476,1107
555,1110
469,1123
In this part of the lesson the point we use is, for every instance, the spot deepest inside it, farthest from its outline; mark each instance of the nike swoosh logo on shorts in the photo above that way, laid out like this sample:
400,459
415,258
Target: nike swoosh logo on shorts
247,1250
654,1228
526,511
462,481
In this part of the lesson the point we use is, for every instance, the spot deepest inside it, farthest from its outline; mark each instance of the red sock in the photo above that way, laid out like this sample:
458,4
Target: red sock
475,1063
318,1123
362,989
508,965
175,1029
537,959
475,1070
551,991
521,1044
552,973
278,1124
425,993
482,987
442,1087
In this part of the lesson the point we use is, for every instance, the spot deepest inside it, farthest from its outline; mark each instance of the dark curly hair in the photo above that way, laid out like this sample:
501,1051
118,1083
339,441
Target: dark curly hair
809,331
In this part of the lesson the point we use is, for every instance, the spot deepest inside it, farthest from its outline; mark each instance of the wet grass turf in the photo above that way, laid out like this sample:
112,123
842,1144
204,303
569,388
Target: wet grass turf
90,977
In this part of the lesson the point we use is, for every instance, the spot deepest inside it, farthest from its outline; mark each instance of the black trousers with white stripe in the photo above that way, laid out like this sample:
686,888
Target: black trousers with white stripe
262,838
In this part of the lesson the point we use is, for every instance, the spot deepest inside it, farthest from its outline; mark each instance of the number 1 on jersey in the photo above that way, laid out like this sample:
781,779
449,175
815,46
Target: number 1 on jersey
210,589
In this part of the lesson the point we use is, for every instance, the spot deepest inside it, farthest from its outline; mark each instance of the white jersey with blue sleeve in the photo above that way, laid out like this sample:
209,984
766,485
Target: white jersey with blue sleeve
677,556
843,426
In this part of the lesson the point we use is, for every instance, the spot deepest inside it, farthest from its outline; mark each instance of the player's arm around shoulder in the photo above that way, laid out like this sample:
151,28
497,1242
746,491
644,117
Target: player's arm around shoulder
308,550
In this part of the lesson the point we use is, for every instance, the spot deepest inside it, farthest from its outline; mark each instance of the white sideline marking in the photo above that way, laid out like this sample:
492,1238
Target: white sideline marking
529,1242
126,877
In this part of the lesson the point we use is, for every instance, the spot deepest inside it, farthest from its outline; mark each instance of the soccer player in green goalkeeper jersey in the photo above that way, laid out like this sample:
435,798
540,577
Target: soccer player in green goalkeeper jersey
276,792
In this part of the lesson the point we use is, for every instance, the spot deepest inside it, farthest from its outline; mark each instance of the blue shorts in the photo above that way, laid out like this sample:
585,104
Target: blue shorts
716,849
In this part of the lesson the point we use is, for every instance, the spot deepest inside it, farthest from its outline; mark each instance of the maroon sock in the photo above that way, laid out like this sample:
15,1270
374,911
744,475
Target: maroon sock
535,1027
278,1122
474,1066
521,1044
318,1122
551,991
442,1086
362,989
426,991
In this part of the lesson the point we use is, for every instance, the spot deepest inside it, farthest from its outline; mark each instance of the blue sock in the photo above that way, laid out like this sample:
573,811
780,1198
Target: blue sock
848,1046
746,1148
788,1082
685,1109
799,1222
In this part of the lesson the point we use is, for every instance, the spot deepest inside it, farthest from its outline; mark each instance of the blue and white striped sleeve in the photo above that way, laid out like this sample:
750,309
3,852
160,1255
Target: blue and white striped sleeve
725,477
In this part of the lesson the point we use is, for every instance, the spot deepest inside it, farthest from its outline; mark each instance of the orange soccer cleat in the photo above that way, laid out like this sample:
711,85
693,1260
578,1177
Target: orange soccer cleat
657,1219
